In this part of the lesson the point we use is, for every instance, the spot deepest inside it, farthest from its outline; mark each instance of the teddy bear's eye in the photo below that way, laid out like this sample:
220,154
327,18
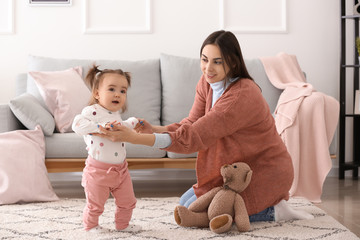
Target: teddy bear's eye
235,166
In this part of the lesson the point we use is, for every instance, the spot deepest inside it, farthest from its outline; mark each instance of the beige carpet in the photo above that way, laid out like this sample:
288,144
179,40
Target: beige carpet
62,220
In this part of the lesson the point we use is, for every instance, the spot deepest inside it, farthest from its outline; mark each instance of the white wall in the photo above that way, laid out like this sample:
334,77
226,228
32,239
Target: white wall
178,27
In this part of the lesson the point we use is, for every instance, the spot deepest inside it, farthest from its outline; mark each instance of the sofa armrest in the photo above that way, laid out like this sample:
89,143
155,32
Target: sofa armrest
8,120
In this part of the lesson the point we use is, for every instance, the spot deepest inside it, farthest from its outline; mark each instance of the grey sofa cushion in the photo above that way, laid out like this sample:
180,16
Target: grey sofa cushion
257,72
179,77
30,113
144,100
145,83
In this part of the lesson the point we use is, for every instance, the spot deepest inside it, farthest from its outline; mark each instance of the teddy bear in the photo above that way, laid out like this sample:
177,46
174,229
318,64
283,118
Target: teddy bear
222,205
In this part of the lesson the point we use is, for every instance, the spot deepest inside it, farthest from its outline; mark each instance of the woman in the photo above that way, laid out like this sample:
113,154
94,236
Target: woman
229,122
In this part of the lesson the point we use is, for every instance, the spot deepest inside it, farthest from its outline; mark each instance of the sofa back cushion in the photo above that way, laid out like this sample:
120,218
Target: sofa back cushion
179,76
257,72
144,95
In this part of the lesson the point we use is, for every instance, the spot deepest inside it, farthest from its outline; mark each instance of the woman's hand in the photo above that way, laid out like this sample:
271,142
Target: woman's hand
120,133
117,133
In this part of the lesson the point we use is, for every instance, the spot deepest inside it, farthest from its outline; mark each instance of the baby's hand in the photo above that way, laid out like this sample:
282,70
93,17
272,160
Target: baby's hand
139,124
108,126
115,125
112,125
143,126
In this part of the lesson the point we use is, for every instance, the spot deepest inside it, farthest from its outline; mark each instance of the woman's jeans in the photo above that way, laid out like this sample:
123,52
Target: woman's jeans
266,215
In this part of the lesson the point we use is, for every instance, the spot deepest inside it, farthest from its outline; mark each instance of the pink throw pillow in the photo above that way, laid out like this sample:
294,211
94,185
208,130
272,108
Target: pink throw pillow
65,94
23,175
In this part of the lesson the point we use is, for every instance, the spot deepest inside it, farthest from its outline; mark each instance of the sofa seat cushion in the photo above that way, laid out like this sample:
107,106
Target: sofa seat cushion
71,145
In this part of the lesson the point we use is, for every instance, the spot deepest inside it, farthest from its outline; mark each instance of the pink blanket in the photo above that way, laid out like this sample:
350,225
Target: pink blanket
306,120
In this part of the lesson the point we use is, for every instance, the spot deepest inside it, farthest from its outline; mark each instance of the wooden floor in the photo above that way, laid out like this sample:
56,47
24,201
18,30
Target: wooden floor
340,199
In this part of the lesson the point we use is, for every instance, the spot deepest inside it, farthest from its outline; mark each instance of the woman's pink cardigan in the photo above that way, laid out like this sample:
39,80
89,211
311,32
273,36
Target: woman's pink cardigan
238,128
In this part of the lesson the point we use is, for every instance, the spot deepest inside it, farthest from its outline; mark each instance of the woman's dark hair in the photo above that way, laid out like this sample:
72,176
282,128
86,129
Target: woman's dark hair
230,52
95,76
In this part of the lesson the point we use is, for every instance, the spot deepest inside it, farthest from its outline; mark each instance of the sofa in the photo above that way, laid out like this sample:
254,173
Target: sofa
162,91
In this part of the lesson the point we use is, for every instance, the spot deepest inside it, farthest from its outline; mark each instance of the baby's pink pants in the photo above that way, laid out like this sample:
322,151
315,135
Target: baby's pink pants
99,180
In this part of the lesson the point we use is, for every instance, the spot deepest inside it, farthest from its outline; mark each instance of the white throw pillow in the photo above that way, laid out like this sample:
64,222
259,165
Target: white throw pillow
65,95
23,175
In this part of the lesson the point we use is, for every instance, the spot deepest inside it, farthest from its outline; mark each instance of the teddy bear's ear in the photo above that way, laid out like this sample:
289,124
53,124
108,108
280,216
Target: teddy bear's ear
248,177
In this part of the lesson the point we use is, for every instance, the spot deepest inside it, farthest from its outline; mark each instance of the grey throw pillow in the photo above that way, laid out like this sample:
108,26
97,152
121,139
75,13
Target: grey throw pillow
31,113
